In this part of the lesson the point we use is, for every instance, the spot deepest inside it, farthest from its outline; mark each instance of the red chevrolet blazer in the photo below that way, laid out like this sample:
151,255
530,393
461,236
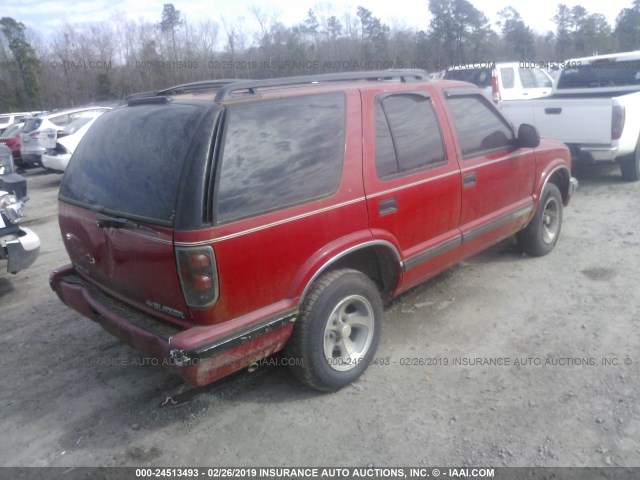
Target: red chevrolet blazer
214,224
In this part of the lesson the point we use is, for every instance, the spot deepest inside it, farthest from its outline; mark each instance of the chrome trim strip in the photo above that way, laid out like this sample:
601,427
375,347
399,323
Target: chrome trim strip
546,180
234,339
496,223
430,253
269,225
419,182
383,243
597,148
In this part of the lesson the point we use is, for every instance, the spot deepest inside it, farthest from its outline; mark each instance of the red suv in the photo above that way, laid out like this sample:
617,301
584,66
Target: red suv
212,225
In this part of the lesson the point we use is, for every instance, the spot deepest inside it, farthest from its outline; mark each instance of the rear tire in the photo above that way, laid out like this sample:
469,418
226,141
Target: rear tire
630,166
337,332
541,235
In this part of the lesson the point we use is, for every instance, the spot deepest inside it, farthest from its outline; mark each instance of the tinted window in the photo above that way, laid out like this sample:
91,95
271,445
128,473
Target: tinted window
478,76
31,124
131,160
407,135
602,73
479,127
507,77
4,120
280,152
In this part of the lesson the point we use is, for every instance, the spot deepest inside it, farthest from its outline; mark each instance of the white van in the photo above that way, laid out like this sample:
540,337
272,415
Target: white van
504,81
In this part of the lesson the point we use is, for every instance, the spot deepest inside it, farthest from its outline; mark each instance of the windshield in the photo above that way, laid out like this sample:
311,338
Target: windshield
601,73
130,161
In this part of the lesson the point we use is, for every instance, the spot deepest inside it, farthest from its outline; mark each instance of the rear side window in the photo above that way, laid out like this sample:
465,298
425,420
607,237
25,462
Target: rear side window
508,77
130,161
279,153
407,135
478,126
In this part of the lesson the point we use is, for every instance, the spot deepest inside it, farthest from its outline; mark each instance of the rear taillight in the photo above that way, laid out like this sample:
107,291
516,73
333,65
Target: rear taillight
495,89
617,121
198,275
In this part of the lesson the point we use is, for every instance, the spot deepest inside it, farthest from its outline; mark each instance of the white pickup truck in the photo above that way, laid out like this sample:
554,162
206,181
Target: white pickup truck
594,108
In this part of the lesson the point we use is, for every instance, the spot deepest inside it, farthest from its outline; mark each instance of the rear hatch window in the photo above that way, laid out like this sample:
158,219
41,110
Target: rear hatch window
601,73
32,124
130,162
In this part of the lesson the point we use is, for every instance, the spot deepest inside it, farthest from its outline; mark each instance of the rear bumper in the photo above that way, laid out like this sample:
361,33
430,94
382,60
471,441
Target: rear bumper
20,249
593,153
200,354
57,163
573,186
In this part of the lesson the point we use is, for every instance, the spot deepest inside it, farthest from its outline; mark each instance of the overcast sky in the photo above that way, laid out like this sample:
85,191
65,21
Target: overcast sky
46,15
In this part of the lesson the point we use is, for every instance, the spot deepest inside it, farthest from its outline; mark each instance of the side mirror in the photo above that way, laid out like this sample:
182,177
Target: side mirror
528,136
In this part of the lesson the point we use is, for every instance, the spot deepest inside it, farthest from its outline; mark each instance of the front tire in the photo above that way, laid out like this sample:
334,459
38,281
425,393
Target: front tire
337,332
541,235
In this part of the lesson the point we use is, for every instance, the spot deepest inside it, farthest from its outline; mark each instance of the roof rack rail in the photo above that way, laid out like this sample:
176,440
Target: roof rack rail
225,92
151,93
198,86
184,88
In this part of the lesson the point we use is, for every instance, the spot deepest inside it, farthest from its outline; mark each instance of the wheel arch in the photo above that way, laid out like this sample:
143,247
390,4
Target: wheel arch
561,177
377,259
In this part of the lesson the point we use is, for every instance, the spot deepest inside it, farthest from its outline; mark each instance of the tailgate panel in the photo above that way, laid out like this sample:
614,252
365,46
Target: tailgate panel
137,265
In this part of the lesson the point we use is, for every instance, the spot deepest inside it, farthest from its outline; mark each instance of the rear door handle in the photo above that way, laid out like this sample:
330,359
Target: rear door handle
387,206
469,179
553,111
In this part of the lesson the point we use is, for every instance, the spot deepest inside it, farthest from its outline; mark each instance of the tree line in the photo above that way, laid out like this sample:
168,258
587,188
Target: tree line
102,61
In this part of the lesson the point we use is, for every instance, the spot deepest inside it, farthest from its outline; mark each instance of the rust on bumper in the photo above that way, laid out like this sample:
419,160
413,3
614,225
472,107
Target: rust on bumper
184,351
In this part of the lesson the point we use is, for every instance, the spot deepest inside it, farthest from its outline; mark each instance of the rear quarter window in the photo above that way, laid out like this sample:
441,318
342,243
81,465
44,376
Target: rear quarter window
508,77
279,153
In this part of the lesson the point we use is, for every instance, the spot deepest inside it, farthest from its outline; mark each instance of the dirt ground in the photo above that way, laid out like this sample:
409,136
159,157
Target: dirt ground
517,361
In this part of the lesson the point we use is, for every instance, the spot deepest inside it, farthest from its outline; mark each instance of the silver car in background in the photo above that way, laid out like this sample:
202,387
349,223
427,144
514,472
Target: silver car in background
30,150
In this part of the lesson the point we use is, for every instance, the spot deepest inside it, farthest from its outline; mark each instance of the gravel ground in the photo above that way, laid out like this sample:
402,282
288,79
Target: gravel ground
502,360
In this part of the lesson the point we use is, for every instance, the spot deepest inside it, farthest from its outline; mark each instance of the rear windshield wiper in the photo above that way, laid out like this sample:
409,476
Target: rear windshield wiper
106,221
